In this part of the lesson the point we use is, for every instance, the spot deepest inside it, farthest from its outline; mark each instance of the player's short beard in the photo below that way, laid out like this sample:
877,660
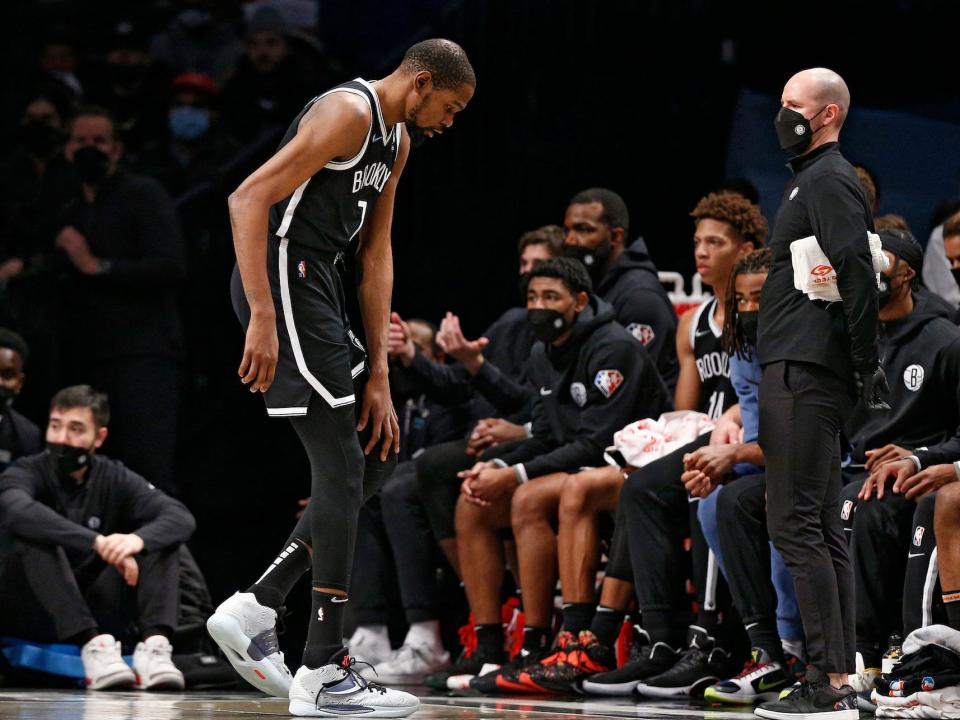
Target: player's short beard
418,135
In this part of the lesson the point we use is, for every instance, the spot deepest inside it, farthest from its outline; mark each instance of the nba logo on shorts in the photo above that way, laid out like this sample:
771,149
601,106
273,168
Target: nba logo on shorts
918,535
845,511
320,614
302,268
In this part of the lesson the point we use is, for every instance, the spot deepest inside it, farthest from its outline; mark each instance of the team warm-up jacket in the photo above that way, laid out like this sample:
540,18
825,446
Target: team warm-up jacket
598,381
642,306
500,387
824,199
37,505
921,358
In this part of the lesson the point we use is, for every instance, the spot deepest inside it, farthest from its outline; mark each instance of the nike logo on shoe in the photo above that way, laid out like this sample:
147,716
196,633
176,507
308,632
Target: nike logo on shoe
338,600
546,391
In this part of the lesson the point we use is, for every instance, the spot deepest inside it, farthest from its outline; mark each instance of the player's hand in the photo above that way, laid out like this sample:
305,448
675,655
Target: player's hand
491,484
75,245
888,453
725,432
260,351
896,470
399,341
130,571
714,461
926,481
872,387
453,342
492,431
117,547
697,483
377,412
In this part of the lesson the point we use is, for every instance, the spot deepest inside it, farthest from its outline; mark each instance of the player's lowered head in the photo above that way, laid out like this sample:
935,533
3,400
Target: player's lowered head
434,82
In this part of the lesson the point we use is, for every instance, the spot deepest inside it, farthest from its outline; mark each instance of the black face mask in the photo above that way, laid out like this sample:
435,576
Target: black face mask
886,290
92,164
6,398
793,130
593,259
748,325
67,458
547,325
40,139
956,275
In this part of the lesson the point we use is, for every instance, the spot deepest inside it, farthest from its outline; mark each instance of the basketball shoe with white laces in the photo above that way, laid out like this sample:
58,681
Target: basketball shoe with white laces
409,664
761,680
246,631
336,689
153,665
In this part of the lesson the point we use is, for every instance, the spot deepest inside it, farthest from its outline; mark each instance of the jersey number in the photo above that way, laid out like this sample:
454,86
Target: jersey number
363,214
716,405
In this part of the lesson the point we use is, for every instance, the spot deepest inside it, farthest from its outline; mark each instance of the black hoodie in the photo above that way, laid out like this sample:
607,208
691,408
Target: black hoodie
37,505
641,305
594,384
921,358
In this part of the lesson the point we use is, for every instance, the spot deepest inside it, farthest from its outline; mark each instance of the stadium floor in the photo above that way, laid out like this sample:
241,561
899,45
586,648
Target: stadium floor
80,705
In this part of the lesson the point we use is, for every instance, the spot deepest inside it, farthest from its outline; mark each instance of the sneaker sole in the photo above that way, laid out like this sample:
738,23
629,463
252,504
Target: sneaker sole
305,709
115,680
226,632
610,689
731,699
167,681
825,715
656,691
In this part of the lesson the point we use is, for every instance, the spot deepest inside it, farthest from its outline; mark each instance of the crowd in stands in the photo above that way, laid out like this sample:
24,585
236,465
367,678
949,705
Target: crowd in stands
542,469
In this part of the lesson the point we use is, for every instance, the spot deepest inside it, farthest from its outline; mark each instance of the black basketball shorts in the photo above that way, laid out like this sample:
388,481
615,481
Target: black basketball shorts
318,351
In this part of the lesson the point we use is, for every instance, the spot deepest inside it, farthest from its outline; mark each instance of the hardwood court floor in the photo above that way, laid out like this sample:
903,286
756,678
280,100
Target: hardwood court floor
80,705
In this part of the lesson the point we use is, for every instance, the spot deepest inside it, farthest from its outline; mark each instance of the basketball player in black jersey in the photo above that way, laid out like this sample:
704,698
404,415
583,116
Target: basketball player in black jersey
332,180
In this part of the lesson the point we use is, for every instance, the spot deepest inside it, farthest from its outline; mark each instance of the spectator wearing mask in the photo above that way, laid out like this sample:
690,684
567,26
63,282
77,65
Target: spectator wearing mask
491,376
394,536
95,548
597,229
271,83
914,444
938,267
18,435
592,378
119,324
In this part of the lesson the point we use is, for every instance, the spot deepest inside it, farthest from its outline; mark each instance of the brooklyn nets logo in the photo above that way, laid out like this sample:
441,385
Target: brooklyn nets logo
913,377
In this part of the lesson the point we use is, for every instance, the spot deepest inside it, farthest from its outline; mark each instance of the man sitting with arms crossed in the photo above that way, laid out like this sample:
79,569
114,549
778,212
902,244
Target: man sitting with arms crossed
86,531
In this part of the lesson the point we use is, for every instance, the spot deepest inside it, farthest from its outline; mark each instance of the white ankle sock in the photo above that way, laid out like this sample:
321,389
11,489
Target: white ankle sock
424,633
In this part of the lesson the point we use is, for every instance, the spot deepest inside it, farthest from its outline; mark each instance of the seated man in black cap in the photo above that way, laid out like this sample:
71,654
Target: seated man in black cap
920,348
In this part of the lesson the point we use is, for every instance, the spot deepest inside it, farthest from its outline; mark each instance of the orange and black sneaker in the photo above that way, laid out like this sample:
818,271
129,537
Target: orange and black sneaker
581,660
507,678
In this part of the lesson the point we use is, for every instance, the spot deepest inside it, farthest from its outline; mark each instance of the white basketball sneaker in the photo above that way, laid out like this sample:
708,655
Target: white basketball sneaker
246,631
370,644
337,689
103,665
409,664
153,665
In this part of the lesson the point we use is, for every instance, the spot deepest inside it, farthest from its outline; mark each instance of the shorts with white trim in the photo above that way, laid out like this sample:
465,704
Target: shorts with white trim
318,352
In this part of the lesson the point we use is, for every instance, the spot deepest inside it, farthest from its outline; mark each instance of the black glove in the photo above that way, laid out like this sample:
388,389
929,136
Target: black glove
872,387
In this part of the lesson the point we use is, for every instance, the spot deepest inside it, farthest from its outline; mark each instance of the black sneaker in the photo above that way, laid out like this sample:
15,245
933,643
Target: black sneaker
458,676
644,662
700,666
813,701
588,657
505,679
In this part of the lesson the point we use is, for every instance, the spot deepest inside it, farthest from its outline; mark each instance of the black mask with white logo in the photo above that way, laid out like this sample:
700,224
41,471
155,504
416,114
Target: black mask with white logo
593,259
793,130
67,458
547,325
749,322
92,164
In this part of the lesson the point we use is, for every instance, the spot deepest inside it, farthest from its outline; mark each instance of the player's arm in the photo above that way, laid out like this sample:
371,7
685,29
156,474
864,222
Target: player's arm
375,260
334,127
687,394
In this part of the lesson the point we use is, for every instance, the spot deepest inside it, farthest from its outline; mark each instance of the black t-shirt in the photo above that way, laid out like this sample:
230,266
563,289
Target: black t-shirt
824,199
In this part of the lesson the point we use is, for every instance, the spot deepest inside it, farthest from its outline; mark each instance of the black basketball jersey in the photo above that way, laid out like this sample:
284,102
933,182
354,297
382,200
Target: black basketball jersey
713,363
328,210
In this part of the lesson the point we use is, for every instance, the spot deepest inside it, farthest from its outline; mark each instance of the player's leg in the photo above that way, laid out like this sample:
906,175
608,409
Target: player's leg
437,469
947,526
